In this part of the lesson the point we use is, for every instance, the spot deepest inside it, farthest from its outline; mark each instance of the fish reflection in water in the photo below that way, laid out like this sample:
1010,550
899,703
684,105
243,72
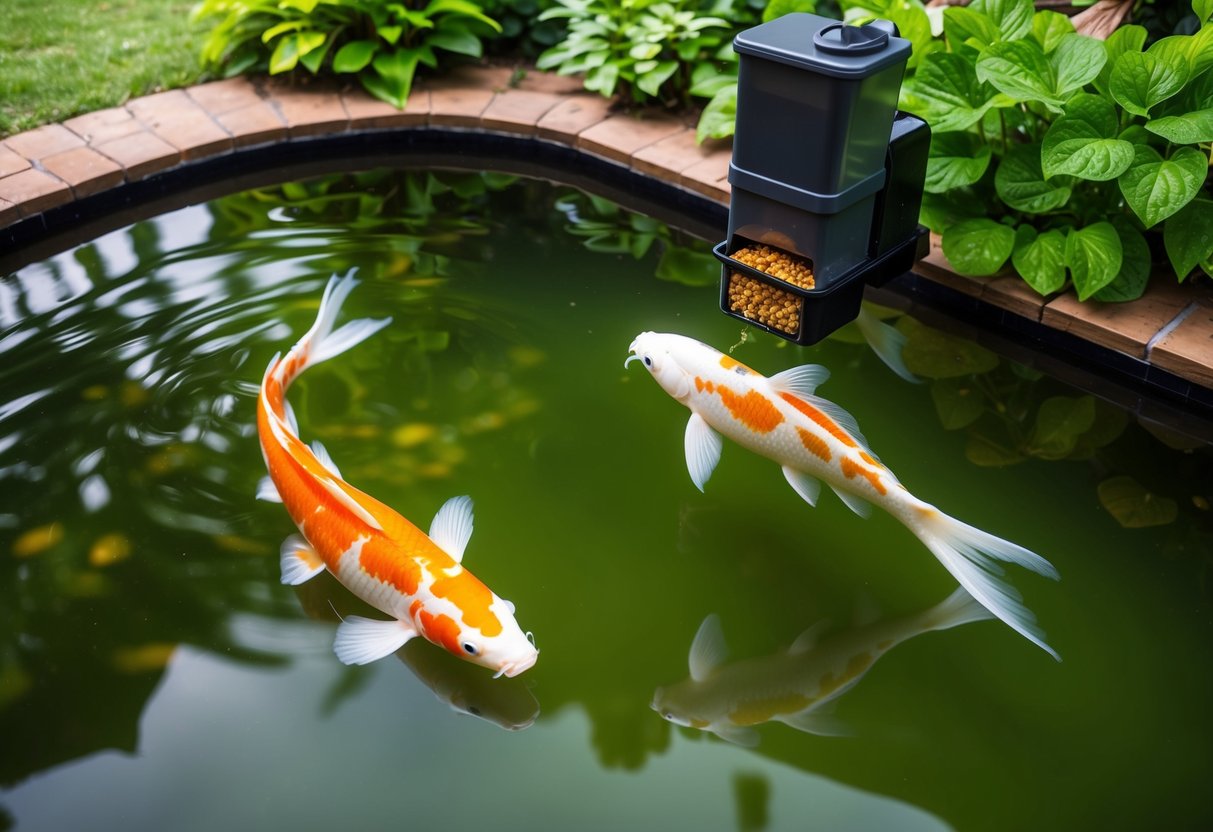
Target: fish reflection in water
796,686
506,703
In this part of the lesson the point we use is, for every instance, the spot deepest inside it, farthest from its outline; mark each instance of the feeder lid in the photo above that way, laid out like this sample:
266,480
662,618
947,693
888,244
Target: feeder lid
825,46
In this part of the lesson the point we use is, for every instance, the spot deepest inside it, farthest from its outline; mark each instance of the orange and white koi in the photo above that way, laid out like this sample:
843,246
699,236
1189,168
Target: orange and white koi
798,686
381,557
813,439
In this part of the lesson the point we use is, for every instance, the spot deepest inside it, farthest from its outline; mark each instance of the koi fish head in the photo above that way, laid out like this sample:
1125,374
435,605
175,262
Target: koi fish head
683,704
509,651
669,359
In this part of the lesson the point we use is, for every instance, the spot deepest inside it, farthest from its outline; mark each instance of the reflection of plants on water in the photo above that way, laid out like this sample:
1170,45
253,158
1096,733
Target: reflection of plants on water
1012,413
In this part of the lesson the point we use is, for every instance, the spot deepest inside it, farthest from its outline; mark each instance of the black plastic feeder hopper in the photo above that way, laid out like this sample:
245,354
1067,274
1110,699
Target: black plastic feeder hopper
826,174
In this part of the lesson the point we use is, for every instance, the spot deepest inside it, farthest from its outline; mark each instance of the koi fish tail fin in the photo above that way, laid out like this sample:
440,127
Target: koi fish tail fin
322,342
970,555
886,341
958,608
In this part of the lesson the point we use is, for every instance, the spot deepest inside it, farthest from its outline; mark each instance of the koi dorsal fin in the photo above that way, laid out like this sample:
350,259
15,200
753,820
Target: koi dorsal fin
333,487
807,640
801,381
708,650
451,528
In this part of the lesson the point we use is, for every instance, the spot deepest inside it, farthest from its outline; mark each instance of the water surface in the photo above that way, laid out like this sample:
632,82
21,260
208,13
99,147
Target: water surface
155,674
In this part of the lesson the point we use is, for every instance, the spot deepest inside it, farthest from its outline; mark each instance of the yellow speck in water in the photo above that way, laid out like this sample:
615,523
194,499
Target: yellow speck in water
94,393
241,545
1200,502
144,658
109,549
522,356
485,422
412,435
14,684
169,458
134,395
36,541
434,470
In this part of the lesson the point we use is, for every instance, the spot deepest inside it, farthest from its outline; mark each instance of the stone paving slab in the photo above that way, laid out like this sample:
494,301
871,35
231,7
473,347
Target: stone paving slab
50,166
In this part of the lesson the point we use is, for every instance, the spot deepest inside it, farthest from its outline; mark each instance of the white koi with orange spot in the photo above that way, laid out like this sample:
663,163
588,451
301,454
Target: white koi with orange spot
377,554
783,419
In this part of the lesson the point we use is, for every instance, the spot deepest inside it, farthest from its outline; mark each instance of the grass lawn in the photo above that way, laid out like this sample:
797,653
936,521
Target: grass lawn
61,58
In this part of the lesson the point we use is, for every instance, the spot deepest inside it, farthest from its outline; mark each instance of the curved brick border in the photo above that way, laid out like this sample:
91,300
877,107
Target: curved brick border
1171,327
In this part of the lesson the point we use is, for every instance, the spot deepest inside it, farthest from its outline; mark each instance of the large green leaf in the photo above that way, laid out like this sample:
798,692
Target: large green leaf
1012,17
454,37
1188,237
1083,142
1156,188
958,402
1040,259
951,96
1021,184
966,28
679,264
1077,61
1139,80
1190,128
978,247
1019,69
1049,27
932,354
956,159
392,78
354,56
1125,39
1135,264
1093,255
1203,9
719,117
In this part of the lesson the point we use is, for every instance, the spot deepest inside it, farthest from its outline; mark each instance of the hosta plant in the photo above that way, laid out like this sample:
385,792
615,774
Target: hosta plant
1065,155
641,49
380,42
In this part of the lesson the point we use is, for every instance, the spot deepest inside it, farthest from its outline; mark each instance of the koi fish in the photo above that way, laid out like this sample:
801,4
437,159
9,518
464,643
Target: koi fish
813,440
416,579
799,686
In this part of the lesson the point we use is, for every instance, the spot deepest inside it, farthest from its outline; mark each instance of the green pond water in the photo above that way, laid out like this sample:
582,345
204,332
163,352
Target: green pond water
154,673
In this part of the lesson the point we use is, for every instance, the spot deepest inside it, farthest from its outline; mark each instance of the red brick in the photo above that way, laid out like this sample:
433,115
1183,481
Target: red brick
33,191
620,137
517,111
220,97
308,111
367,112
710,176
571,116
44,141
176,118
104,125
452,106
673,155
533,80
86,170
257,123
141,154
11,162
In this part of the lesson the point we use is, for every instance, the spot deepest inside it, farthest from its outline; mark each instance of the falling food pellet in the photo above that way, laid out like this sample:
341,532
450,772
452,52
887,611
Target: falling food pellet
763,302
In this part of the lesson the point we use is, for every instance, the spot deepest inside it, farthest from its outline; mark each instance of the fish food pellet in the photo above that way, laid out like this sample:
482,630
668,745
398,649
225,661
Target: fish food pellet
770,306
776,263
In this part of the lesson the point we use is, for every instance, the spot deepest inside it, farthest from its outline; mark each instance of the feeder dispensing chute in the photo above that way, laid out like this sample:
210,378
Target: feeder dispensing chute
826,174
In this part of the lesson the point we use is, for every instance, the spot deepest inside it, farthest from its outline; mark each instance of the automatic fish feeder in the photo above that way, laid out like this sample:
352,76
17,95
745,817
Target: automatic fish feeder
826,174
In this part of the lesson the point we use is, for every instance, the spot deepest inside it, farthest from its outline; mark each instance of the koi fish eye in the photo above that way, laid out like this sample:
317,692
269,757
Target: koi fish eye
648,361
470,649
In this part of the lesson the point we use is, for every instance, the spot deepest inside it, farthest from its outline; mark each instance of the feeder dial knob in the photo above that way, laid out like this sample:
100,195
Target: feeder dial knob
841,39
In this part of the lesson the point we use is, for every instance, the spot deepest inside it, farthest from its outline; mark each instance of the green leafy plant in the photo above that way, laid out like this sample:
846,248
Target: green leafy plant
642,49
381,42
1062,154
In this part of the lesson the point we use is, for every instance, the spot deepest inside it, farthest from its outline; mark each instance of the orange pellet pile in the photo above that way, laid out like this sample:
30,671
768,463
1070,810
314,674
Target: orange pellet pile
775,308
776,263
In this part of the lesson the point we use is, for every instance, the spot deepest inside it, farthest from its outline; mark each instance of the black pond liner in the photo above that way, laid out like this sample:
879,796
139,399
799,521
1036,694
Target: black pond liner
1148,391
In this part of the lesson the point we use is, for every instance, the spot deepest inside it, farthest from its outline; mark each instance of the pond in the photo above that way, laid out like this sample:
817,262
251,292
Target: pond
155,674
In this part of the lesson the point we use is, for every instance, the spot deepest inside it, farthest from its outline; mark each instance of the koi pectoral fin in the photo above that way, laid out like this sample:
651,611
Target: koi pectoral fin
702,445
364,640
808,487
299,561
266,490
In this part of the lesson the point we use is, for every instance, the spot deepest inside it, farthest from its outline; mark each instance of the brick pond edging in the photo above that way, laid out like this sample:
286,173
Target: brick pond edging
1170,328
